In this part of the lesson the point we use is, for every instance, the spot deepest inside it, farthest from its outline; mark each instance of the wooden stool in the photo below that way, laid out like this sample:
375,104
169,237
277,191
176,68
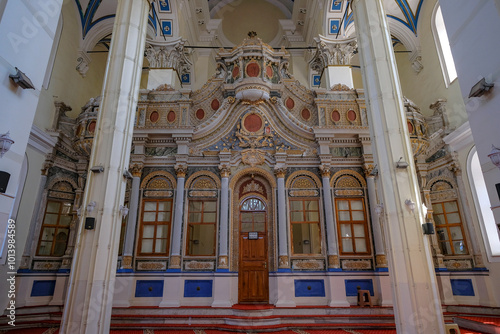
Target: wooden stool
364,298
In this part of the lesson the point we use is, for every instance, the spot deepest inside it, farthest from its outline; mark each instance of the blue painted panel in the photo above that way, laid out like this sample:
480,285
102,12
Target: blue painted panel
164,5
351,286
334,26
309,288
198,288
186,78
336,7
149,288
166,27
316,80
462,287
43,288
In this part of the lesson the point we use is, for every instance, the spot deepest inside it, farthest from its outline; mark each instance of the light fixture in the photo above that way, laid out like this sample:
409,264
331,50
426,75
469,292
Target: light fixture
374,171
97,169
410,205
495,156
428,227
127,175
5,143
21,80
123,210
91,206
401,163
480,88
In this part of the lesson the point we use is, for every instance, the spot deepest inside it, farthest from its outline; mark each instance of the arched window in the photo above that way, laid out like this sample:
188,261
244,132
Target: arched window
351,213
202,215
443,46
56,220
156,216
483,207
305,216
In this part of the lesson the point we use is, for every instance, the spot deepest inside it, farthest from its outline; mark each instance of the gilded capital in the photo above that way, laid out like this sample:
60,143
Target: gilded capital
225,170
325,170
368,169
280,172
180,170
136,170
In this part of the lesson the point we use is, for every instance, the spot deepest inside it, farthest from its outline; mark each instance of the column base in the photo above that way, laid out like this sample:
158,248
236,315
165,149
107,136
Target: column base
333,262
175,263
126,263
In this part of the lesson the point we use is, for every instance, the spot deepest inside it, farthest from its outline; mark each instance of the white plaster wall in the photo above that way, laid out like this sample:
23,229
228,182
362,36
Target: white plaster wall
27,32
66,84
426,87
473,33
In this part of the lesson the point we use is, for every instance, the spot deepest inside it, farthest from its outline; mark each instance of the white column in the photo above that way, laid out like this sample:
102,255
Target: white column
131,227
331,229
381,261
90,293
224,221
175,250
417,304
283,262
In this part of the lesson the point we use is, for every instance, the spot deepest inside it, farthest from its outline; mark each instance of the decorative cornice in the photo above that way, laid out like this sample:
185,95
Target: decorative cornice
41,141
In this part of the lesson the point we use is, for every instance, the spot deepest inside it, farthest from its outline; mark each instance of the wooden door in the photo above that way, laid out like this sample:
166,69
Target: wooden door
253,275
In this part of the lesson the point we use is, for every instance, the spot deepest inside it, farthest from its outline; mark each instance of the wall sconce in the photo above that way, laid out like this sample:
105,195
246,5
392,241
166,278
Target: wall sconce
374,171
480,88
21,80
123,211
127,175
91,206
5,143
495,156
401,164
410,205
428,227
379,208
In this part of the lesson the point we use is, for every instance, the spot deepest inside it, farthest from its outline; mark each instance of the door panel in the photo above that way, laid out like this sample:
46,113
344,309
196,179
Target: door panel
253,276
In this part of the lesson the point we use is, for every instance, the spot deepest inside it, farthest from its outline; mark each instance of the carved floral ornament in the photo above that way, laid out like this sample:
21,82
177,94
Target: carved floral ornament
253,157
169,56
332,53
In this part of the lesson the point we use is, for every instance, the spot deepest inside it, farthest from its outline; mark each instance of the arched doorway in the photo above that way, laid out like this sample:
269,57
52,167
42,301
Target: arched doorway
253,275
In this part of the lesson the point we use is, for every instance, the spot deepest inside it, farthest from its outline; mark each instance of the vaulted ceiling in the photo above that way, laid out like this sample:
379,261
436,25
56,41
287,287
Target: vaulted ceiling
226,22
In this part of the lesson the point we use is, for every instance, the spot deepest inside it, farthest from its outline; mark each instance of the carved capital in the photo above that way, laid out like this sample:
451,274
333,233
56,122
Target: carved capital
329,52
325,170
169,56
136,170
280,172
333,261
180,170
368,169
225,170
82,63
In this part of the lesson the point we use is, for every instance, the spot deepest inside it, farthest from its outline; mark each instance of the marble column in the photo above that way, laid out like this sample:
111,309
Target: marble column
417,305
131,227
175,249
223,263
89,299
331,229
284,262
